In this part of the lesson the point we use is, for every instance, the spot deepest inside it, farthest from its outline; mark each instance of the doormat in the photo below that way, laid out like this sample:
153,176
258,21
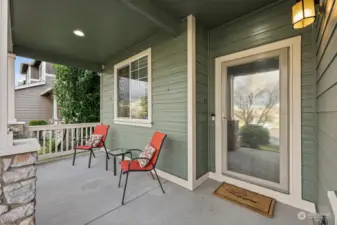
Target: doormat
251,200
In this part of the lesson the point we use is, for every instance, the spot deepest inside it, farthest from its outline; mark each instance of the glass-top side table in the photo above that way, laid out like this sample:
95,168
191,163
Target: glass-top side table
118,152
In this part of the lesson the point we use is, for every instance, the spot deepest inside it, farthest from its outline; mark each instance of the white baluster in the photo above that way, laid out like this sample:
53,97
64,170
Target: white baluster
50,141
81,129
56,134
72,139
77,137
44,142
67,140
38,136
62,140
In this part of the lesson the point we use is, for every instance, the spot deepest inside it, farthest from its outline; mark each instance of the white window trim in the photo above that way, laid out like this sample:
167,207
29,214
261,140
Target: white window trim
135,122
294,198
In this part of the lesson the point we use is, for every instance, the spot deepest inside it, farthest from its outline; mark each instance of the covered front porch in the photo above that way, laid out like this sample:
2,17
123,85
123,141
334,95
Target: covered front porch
77,195
164,66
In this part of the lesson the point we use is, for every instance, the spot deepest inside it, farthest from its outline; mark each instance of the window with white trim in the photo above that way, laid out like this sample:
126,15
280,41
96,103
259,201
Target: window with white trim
133,90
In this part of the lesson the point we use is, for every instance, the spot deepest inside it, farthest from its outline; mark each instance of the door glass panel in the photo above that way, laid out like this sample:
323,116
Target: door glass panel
253,126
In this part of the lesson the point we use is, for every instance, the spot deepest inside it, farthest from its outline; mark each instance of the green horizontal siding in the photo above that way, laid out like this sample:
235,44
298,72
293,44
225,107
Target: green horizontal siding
201,102
271,25
169,102
326,45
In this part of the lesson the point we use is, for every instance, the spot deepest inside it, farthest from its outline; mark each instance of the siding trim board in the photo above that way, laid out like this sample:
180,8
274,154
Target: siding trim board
191,100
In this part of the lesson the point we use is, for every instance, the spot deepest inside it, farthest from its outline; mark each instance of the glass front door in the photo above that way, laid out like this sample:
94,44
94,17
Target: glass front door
255,98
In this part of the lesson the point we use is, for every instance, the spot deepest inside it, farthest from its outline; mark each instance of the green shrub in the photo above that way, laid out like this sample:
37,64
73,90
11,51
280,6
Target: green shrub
48,142
253,136
37,123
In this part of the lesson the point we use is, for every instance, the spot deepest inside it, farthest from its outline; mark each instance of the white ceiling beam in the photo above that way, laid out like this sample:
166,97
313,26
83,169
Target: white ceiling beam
154,14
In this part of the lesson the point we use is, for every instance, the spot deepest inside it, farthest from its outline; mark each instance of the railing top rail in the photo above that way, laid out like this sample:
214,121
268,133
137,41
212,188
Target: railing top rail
60,126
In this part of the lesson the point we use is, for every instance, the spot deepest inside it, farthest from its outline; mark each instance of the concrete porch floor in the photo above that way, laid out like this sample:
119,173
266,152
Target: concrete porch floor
77,196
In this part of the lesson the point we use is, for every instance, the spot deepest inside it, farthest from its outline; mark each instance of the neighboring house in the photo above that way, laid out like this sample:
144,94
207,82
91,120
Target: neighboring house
166,67
34,96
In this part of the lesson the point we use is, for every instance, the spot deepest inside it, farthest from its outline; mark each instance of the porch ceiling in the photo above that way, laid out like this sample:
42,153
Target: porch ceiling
43,29
211,13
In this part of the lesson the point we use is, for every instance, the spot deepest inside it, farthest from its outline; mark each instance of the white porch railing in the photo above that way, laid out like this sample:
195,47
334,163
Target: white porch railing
58,140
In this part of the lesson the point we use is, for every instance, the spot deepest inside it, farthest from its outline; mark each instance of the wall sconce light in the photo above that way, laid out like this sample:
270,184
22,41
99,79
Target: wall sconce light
304,13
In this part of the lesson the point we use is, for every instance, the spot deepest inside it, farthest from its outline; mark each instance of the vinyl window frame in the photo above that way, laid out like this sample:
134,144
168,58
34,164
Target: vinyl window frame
127,62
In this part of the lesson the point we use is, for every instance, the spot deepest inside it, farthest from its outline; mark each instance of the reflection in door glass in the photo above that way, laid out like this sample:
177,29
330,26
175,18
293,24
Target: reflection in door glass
254,128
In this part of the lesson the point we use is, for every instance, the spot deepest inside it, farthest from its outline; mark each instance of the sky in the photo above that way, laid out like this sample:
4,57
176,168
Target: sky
18,62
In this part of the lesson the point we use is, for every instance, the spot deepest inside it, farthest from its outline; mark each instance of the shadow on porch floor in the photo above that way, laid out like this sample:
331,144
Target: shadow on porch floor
77,195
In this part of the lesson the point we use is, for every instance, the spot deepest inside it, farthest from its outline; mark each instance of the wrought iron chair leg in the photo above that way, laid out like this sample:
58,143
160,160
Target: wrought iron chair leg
93,153
74,157
90,159
159,181
106,161
152,175
120,178
115,166
126,183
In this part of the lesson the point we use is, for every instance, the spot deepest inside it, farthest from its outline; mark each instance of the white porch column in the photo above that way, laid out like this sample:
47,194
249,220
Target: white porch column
3,72
55,109
11,88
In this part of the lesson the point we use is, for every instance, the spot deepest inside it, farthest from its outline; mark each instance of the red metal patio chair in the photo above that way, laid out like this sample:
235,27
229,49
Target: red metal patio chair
132,165
99,129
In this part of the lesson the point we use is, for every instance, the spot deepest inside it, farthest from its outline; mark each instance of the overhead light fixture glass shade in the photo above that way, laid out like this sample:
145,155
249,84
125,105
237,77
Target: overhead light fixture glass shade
79,33
303,13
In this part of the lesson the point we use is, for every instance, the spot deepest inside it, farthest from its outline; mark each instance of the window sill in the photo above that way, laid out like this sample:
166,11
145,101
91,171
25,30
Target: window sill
133,123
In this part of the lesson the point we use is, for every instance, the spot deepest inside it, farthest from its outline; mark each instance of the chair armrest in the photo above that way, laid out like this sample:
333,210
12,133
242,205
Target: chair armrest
133,150
77,141
137,159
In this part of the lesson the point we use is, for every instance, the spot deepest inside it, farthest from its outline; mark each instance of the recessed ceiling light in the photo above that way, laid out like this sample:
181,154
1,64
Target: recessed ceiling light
79,33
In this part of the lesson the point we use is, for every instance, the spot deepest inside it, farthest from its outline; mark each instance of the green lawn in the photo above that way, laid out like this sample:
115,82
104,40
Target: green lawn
270,148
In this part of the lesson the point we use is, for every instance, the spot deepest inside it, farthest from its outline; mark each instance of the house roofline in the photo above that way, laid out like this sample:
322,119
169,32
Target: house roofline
24,66
47,91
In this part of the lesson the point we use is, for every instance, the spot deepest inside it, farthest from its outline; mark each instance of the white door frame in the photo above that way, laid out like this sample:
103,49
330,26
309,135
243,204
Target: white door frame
282,54
294,198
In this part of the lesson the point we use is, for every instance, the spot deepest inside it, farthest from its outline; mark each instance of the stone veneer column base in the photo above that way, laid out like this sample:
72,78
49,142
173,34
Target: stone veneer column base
18,189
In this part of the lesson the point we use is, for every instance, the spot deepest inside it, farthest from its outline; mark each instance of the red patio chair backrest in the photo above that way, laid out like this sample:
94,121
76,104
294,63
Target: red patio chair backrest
157,142
102,130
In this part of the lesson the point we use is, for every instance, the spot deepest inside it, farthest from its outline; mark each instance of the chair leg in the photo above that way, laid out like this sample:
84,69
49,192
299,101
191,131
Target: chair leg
152,175
159,181
93,153
106,161
115,166
126,183
90,159
120,178
106,152
74,157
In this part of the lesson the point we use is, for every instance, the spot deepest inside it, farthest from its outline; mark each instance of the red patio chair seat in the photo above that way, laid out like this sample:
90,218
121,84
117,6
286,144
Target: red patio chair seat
135,166
84,147
132,165
99,129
